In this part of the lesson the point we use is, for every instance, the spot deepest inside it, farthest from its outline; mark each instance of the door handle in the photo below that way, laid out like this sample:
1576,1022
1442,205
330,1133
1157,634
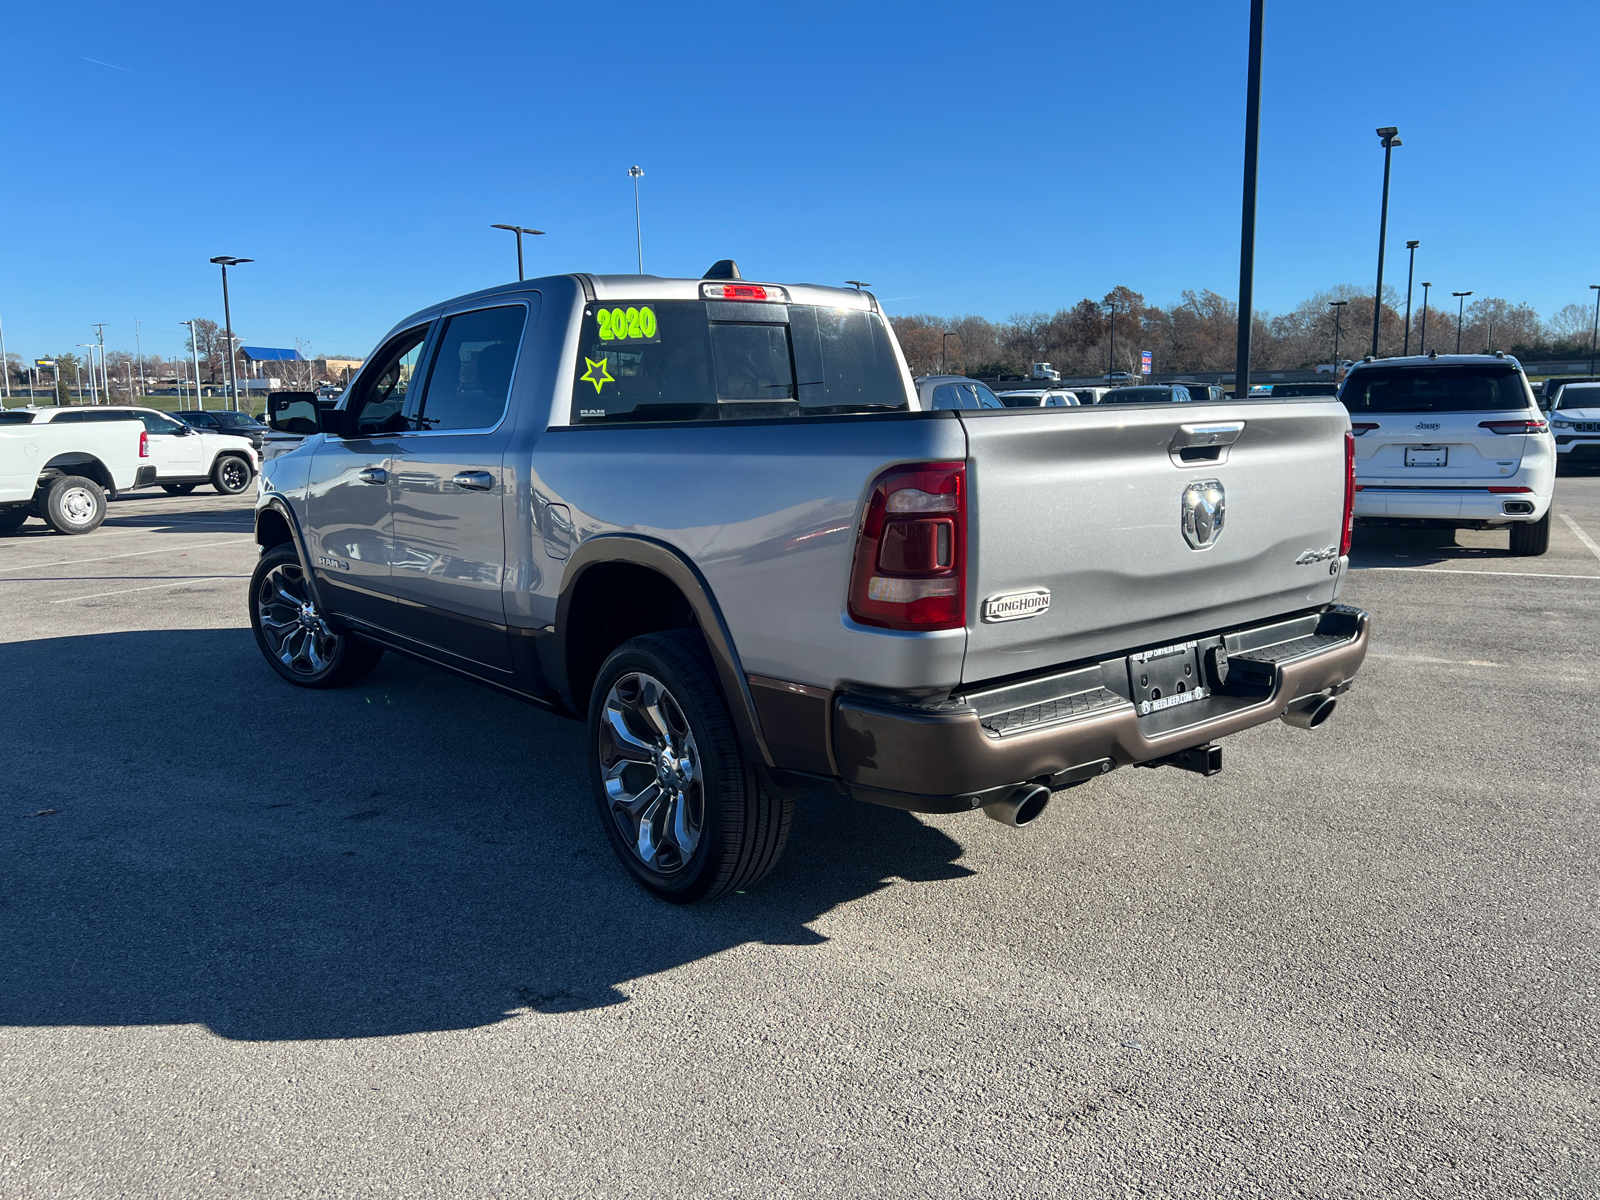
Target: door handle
1203,443
374,475
474,481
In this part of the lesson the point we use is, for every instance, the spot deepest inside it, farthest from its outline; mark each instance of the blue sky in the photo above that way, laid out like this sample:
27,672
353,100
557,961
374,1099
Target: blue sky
984,158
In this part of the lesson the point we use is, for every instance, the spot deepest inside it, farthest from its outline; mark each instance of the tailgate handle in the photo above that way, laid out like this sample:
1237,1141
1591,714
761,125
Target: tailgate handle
1204,443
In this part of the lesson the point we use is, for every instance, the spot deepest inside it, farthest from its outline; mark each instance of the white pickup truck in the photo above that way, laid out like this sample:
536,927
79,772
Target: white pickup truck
63,473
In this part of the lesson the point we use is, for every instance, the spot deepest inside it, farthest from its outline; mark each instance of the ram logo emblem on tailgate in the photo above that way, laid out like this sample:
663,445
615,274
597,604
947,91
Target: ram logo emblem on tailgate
1013,606
1203,509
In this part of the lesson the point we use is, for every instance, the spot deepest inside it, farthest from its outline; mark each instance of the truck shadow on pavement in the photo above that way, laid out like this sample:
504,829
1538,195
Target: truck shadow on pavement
187,839
1399,546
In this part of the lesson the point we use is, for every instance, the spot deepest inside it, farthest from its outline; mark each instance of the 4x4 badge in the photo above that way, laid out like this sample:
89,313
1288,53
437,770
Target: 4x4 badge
1204,505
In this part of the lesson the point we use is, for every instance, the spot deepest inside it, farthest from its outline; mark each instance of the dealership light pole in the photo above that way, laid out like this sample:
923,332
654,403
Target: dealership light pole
5,363
1391,139
1247,221
194,345
943,339
1595,336
138,347
94,397
1422,345
519,231
225,261
1338,314
638,229
1460,315
1410,271
1111,307
105,376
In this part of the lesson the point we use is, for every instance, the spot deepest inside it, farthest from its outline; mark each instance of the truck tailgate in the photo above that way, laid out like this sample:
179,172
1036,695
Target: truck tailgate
1088,503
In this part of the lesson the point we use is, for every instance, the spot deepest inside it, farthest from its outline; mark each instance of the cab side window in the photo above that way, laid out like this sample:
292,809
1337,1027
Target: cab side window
378,407
154,422
470,378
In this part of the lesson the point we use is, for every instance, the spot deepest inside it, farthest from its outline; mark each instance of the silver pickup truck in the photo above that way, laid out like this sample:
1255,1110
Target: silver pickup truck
713,519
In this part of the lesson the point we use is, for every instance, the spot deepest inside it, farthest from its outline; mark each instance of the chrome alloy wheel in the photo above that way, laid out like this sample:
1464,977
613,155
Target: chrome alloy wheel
77,504
652,773
234,474
294,630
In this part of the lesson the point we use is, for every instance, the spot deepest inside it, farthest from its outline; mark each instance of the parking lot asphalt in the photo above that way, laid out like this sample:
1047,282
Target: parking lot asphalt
256,941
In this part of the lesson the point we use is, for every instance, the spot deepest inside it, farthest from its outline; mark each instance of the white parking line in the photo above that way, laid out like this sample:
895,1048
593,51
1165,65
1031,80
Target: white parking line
72,562
1582,536
150,588
1452,571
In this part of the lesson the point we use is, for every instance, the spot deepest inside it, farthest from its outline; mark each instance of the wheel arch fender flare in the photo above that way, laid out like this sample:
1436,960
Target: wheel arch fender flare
87,465
668,562
274,519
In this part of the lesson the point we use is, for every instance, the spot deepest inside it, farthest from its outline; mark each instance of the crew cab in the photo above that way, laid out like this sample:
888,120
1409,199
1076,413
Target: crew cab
1453,441
64,473
718,522
184,457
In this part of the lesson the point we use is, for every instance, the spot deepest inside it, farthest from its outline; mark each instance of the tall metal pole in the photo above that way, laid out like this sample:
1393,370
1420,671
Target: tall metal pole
1247,221
194,345
1422,347
1338,312
105,377
139,350
638,227
1390,141
1410,271
1460,315
1595,336
232,373
5,363
1112,370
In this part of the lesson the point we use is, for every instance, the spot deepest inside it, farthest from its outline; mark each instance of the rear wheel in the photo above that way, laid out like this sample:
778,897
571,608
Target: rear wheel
11,519
685,813
1531,538
73,504
230,475
177,489
296,639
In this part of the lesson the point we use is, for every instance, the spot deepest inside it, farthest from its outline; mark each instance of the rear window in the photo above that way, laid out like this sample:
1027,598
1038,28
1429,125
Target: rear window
1305,389
235,420
1497,388
1143,395
708,360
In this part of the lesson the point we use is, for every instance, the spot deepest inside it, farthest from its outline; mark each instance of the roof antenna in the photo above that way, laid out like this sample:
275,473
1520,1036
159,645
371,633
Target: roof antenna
723,268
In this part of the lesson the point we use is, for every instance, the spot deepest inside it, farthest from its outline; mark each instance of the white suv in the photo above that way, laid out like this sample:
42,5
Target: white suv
1575,421
183,457
1453,440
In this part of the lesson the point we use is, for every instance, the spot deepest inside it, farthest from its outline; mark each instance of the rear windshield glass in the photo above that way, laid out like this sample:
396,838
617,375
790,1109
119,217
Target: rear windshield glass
1495,388
1142,395
1581,395
236,420
708,360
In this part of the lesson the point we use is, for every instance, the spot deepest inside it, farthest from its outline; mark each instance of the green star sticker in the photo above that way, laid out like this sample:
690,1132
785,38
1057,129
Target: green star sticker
599,380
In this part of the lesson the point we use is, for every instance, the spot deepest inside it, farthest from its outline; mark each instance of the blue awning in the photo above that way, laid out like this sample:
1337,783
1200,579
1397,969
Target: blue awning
270,354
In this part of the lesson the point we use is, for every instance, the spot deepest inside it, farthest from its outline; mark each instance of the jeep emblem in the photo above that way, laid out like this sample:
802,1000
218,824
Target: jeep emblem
1203,510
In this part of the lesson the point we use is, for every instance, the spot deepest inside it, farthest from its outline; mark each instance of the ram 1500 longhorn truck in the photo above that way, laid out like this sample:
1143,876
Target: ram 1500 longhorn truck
714,519
64,473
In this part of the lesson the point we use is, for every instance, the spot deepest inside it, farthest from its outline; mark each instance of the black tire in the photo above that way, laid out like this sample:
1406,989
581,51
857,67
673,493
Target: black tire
178,489
230,474
690,762
11,519
296,640
73,504
1531,538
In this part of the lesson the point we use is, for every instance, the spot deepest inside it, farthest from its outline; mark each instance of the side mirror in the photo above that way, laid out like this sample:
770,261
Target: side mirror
294,412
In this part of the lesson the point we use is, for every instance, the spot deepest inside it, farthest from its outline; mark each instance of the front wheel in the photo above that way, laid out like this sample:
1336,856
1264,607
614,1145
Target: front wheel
230,475
685,813
296,639
73,504
1531,538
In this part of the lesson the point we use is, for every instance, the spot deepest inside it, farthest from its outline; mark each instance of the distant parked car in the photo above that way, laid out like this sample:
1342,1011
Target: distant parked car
1206,391
238,423
1549,392
1090,395
1051,398
184,457
1328,388
1164,393
1575,421
1119,377
955,391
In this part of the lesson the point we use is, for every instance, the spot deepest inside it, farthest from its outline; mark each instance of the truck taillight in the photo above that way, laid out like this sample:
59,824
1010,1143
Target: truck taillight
1350,491
910,569
144,445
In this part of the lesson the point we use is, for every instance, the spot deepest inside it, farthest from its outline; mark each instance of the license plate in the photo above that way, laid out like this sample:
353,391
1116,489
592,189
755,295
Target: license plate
1426,456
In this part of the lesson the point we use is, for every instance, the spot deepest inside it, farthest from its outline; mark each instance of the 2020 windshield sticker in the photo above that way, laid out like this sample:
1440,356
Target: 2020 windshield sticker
627,324
599,380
